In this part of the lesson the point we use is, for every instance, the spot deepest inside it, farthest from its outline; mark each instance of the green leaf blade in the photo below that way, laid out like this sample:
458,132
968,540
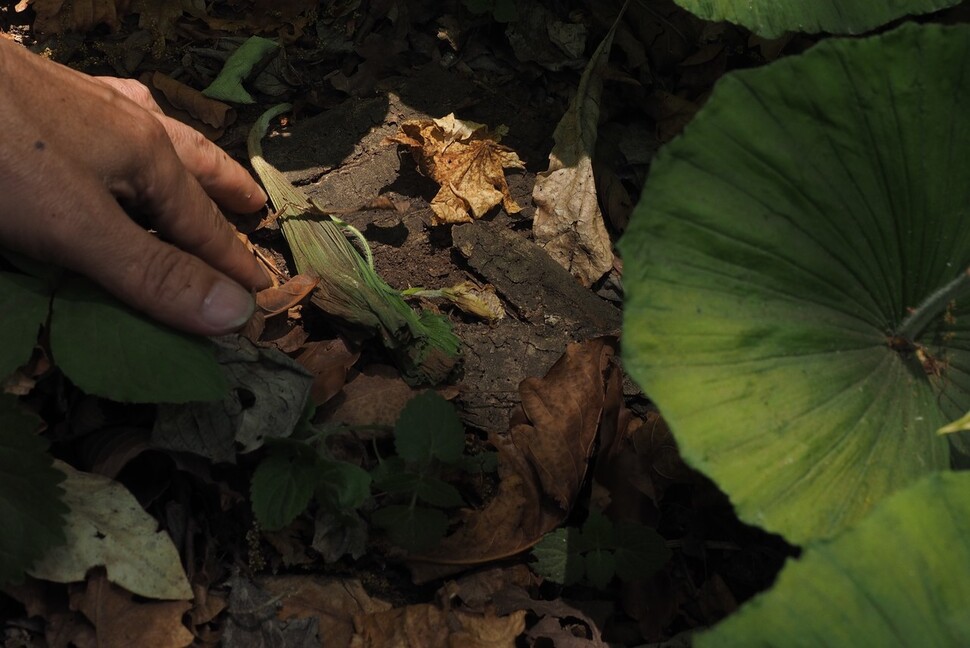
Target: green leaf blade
31,496
108,350
759,309
283,485
887,582
428,429
772,18
558,557
24,302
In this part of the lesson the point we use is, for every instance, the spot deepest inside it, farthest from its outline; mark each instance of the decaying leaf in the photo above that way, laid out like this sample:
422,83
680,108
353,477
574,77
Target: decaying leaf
560,624
186,104
268,394
119,620
280,299
375,396
107,527
328,361
466,159
428,626
334,602
568,222
542,462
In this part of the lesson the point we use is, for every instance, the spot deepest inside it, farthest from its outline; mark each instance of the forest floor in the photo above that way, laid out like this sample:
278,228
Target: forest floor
355,71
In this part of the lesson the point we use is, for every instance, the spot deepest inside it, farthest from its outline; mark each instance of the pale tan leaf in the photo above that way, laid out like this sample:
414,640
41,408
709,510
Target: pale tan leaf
568,223
107,527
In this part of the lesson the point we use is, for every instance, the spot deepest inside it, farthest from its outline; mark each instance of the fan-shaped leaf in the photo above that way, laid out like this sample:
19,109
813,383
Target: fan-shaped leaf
771,18
888,582
773,265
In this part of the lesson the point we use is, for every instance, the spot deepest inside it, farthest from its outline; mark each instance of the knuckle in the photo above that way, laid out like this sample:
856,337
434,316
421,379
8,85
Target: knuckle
163,273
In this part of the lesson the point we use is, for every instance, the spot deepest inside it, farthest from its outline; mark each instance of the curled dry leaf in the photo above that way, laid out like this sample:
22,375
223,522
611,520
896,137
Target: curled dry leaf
475,300
542,462
466,159
280,299
568,223
188,105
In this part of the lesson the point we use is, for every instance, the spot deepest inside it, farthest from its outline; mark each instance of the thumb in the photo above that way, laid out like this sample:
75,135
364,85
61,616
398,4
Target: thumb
168,284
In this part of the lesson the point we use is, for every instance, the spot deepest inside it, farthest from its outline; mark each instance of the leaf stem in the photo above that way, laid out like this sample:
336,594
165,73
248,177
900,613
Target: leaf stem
917,320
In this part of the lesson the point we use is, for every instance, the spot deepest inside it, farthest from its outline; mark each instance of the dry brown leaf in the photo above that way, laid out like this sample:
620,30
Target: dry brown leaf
328,361
542,462
427,626
466,160
120,621
568,223
63,628
58,16
279,299
375,396
560,624
334,602
476,590
213,113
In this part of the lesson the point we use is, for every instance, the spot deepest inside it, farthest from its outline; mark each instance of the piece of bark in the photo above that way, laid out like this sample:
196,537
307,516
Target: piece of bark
541,290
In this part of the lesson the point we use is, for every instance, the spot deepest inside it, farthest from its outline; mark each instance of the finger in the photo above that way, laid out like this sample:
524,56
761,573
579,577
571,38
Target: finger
94,236
184,214
222,178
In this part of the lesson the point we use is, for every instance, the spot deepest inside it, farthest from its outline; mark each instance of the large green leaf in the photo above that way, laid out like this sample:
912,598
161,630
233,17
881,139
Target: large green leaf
772,18
24,303
108,350
31,509
898,579
778,248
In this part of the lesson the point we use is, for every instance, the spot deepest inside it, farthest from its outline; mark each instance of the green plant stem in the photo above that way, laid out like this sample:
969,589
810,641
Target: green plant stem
916,322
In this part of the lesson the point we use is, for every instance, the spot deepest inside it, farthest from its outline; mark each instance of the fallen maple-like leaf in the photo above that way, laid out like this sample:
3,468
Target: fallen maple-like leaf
542,462
466,160
121,621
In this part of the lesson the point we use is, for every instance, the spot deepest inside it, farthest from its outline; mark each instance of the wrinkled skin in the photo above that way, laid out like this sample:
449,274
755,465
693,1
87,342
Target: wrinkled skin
77,151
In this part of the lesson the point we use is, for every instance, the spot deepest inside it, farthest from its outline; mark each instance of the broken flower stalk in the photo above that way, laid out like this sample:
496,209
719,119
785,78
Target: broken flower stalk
423,344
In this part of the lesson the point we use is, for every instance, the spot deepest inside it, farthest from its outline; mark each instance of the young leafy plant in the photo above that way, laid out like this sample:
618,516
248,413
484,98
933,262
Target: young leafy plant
294,471
599,551
428,438
772,18
797,302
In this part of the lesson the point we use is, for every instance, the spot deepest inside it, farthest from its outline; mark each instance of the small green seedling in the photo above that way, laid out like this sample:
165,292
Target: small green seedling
429,438
599,551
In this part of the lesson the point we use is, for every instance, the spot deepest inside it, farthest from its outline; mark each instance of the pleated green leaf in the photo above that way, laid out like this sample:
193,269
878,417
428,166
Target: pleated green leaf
783,273
772,18
895,580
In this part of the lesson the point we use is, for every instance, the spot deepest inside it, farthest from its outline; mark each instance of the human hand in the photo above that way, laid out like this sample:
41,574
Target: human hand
74,149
